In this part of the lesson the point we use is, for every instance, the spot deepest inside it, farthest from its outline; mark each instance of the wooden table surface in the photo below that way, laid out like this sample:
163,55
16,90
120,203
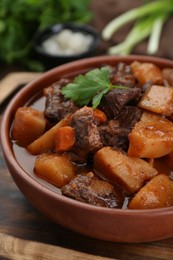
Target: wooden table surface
27,234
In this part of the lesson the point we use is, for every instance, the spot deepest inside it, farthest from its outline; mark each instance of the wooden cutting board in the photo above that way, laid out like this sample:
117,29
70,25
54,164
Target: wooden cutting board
11,82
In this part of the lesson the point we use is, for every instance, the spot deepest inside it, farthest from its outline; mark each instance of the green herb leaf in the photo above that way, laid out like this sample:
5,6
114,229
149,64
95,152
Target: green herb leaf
96,99
90,87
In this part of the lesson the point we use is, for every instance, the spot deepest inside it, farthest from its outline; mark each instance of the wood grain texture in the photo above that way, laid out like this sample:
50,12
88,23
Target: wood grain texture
15,249
13,80
26,234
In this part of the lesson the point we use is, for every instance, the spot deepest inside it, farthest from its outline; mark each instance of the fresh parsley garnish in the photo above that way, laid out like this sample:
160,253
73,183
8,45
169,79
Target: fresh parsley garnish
90,87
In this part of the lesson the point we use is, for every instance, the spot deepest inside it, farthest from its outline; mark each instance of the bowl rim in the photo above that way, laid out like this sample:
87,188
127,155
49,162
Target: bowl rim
57,28
10,157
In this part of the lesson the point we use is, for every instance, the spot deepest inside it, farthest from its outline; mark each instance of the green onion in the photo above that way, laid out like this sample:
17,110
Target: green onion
154,39
150,20
140,31
135,13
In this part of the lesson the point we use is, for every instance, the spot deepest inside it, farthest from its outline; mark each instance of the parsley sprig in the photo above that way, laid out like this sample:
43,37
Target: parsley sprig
90,87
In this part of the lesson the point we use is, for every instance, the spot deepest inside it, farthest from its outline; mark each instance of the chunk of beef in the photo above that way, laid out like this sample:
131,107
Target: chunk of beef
89,189
57,107
113,135
128,116
113,102
115,132
86,132
122,76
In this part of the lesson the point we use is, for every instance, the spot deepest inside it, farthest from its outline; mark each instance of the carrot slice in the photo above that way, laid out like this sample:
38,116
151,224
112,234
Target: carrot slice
46,142
64,138
100,115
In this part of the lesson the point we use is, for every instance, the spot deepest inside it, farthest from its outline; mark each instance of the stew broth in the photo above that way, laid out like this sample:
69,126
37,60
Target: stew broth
27,161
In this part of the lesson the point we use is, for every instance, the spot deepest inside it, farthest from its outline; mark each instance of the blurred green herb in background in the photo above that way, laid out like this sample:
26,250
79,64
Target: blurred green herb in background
20,19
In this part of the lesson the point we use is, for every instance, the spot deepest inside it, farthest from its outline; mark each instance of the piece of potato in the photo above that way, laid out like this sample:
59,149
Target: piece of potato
157,193
55,169
46,142
168,75
28,125
129,172
158,99
146,72
151,137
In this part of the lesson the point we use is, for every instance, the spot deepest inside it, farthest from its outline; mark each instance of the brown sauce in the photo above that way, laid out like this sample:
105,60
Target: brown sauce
27,161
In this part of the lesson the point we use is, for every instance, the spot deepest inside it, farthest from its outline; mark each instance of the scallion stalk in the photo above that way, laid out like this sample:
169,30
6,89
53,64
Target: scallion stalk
149,8
139,32
150,20
154,40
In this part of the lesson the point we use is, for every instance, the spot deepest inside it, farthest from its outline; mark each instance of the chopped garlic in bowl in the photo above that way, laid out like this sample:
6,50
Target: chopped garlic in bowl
62,43
67,42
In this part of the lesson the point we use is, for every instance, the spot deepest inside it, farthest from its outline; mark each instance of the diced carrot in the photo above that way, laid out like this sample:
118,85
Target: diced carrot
100,115
46,142
64,139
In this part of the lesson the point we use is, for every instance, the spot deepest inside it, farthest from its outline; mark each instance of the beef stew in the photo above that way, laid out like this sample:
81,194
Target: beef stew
107,133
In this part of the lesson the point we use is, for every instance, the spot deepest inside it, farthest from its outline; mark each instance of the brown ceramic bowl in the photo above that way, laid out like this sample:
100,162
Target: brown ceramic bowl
117,225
